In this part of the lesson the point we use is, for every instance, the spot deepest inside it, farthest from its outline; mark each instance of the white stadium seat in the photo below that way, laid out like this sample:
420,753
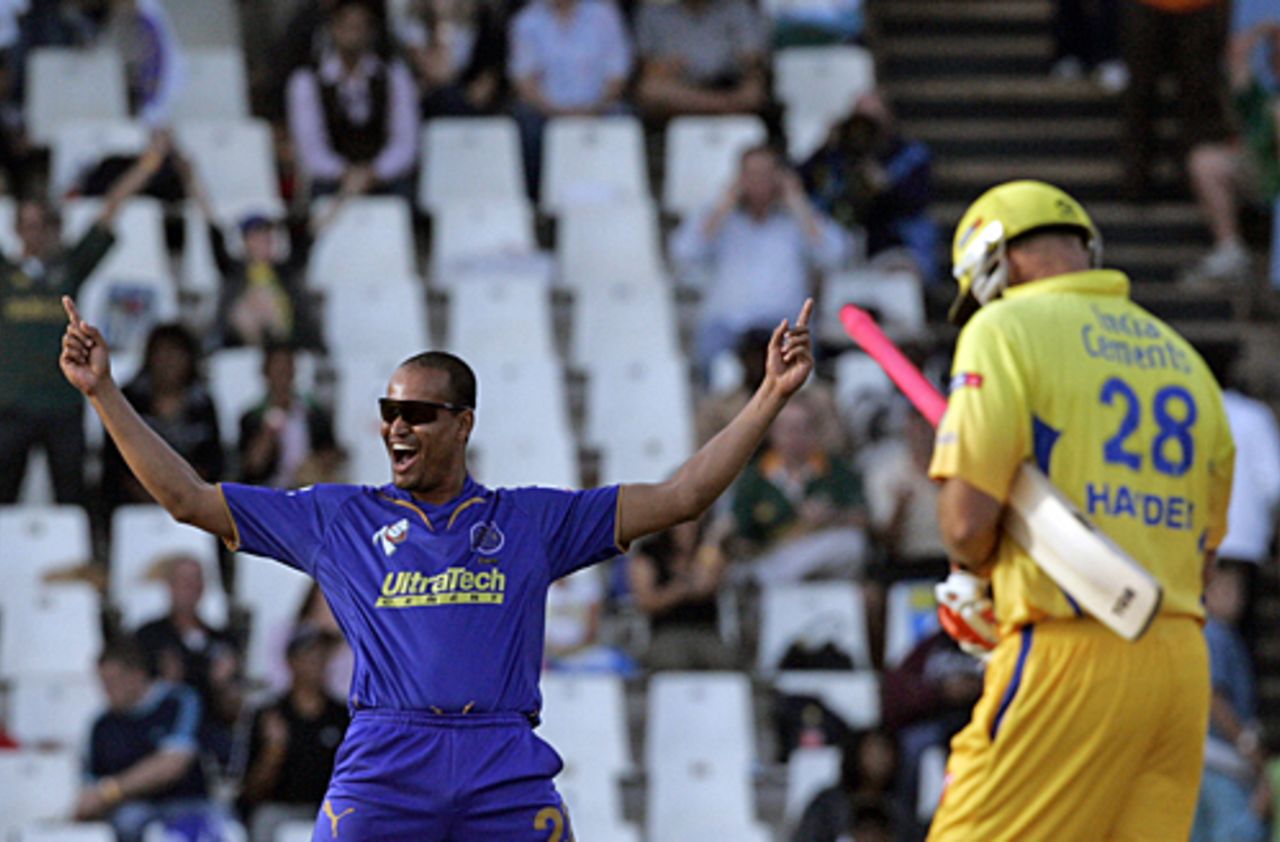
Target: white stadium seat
595,805
624,320
704,799
485,238
36,786
295,831
911,615
584,718
371,239
853,696
362,379
141,535
809,771
896,298
593,161
702,155
861,389
234,160
79,832
58,630
470,159
215,85
813,613
273,594
9,242
54,709
236,384
40,538
79,145
205,23
822,81
496,319
609,244
66,84
640,415
385,315
522,434
699,717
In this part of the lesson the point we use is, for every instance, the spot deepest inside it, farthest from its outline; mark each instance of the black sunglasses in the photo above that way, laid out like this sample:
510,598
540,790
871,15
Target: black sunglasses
414,412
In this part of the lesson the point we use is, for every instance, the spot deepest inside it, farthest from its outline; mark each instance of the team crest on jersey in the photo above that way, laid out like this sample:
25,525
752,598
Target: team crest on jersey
487,538
391,536
966,380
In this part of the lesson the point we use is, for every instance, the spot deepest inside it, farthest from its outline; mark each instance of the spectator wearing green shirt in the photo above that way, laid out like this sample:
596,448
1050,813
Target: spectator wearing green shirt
1258,111
37,407
799,508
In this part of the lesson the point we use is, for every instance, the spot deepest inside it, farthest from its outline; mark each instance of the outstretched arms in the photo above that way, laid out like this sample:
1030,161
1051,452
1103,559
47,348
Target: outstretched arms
166,475
651,507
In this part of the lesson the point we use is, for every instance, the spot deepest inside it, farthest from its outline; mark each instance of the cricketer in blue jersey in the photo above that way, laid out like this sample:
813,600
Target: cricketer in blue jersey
439,584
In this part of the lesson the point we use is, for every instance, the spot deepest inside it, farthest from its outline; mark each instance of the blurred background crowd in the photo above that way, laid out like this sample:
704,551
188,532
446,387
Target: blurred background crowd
604,207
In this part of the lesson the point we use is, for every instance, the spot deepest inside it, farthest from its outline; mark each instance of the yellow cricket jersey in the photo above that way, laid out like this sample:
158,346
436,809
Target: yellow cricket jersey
1120,412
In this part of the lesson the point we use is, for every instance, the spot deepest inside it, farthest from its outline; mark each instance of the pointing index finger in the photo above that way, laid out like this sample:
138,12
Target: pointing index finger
72,313
803,319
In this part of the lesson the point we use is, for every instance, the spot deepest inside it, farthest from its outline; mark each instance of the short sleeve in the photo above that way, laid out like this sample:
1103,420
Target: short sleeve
182,733
985,434
579,528
288,526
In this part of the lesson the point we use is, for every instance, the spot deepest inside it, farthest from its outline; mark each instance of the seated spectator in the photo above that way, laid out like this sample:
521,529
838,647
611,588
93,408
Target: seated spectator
353,115
315,612
286,440
869,177
457,50
183,649
1257,107
263,298
568,57
37,407
926,700
573,644
293,741
701,57
868,768
759,245
903,505
143,759
168,393
675,577
1233,757
1086,38
798,508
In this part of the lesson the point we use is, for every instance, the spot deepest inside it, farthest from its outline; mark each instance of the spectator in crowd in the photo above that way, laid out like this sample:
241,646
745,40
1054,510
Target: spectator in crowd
14,148
867,176
701,57
1231,794
868,768
1257,108
263,297
903,504
568,57
457,50
675,577
183,649
1086,37
926,700
759,244
354,115
286,440
143,758
141,31
1187,38
169,394
35,408
315,612
797,508
575,605
293,741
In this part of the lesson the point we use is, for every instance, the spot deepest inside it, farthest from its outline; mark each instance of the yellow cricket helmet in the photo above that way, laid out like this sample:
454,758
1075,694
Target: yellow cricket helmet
998,217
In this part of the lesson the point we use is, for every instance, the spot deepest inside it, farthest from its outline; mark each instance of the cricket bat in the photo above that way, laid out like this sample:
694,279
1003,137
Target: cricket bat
1094,571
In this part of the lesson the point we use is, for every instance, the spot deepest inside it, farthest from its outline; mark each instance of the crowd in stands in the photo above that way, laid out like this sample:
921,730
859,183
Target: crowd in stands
838,494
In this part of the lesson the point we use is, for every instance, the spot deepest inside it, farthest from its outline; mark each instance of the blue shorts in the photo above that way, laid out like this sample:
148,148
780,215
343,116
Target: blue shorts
408,776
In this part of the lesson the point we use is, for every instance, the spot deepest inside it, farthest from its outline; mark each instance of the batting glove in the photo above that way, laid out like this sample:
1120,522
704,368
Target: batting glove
966,613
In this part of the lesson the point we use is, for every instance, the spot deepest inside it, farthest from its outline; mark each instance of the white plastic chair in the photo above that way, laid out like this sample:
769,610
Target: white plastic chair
896,297
273,594
624,320
592,161
235,160
37,539
705,799
700,717
485,238
36,786
809,771
595,805
9,242
141,535
79,832
362,379
370,240
584,717
853,696
57,631
816,613
822,81
911,615
702,155
385,315
205,23
608,245
470,159
54,709
640,415
497,319
67,84
295,831
861,388
215,85
78,145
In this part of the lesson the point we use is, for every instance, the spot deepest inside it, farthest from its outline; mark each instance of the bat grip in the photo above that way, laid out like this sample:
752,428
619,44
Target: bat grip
863,330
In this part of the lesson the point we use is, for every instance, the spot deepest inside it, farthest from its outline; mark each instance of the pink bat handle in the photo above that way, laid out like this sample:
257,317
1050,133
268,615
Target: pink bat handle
922,394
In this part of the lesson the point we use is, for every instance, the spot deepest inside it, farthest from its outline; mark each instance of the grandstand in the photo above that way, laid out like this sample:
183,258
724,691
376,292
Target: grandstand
581,333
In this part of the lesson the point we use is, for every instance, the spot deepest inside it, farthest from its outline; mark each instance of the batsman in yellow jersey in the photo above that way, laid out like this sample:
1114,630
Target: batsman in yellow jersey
1079,734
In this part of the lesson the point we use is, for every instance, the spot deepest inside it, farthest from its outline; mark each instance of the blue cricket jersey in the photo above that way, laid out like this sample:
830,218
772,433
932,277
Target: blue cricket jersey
444,606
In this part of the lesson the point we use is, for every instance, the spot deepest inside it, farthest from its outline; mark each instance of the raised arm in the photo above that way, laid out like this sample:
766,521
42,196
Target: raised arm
651,507
166,475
